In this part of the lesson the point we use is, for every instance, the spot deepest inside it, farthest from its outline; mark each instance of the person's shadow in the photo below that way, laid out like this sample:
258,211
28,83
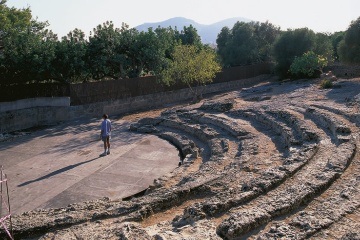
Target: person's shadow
61,170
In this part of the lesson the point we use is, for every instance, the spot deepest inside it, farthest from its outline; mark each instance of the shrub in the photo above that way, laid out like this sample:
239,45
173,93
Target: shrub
308,65
326,83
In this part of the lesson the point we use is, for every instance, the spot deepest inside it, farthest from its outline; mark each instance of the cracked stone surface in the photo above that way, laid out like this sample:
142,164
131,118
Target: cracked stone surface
279,160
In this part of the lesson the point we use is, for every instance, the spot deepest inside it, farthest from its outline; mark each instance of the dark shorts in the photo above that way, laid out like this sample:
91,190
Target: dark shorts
105,138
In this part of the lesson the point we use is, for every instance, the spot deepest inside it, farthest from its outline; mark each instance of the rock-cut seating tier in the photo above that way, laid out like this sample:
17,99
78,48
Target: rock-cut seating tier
275,161
253,183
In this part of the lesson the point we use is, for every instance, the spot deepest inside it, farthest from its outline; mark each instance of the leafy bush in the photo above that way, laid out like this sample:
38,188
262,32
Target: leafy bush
326,83
308,65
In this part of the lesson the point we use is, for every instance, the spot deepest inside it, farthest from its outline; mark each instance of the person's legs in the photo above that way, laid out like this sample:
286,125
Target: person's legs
108,144
104,139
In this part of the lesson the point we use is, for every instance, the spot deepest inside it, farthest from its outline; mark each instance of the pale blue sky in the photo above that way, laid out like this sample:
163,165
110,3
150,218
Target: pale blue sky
318,15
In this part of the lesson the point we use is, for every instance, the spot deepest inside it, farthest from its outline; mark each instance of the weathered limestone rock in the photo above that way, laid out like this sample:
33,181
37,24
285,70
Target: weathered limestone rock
219,106
242,222
284,168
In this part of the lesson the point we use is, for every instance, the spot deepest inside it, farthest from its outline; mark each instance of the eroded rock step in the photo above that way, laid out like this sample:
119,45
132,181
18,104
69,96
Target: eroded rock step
217,144
312,179
263,182
251,138
250,185
350,113
337,126
332,215
182,135
346,228
301,128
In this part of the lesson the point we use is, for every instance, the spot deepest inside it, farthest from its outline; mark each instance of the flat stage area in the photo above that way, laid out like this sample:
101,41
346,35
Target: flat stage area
60,165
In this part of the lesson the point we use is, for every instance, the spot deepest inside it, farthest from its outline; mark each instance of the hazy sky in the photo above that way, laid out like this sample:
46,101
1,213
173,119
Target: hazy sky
318,15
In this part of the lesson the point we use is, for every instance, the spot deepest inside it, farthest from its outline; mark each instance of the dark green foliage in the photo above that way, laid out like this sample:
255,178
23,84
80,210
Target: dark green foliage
27,48
31,53
188,36
292,43
336,38
349,47
103,55
323,46
70,62
246,43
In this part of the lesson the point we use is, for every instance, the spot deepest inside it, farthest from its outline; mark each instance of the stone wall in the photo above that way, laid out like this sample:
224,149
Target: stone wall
32,115
35,102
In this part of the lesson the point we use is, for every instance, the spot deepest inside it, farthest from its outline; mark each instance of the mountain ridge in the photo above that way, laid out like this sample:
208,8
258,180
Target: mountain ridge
207,32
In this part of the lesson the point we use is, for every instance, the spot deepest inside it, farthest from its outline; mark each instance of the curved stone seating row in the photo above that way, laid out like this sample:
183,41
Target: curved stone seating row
251,185
170,120
260,184
301,128
230,126
202,132
254,184
185,145
303,186
247,139
308,222
327,120
347,112
210,136
289,138
329,211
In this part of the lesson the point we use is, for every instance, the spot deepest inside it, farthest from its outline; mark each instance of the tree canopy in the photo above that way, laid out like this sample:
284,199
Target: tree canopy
295,43
192,66
246,43
30,52
349,47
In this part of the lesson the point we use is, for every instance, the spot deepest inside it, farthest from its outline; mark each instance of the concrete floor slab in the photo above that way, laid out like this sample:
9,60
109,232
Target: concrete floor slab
60,165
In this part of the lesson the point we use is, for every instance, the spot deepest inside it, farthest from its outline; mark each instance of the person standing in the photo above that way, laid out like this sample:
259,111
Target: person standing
106,133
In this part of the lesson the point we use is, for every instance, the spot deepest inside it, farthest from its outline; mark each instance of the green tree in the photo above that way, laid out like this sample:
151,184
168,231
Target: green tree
12,20
335,40
222,41
349,47
70,61
192,66
189,36
26,47
168,41
290,44
103,56
323,46
148,52
246,43
266,33
153,50
127,54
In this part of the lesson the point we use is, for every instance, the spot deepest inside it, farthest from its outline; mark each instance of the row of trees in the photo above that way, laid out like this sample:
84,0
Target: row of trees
29,52
296,52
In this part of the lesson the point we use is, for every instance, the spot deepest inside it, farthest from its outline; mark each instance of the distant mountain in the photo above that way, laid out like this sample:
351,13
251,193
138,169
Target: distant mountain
208,33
